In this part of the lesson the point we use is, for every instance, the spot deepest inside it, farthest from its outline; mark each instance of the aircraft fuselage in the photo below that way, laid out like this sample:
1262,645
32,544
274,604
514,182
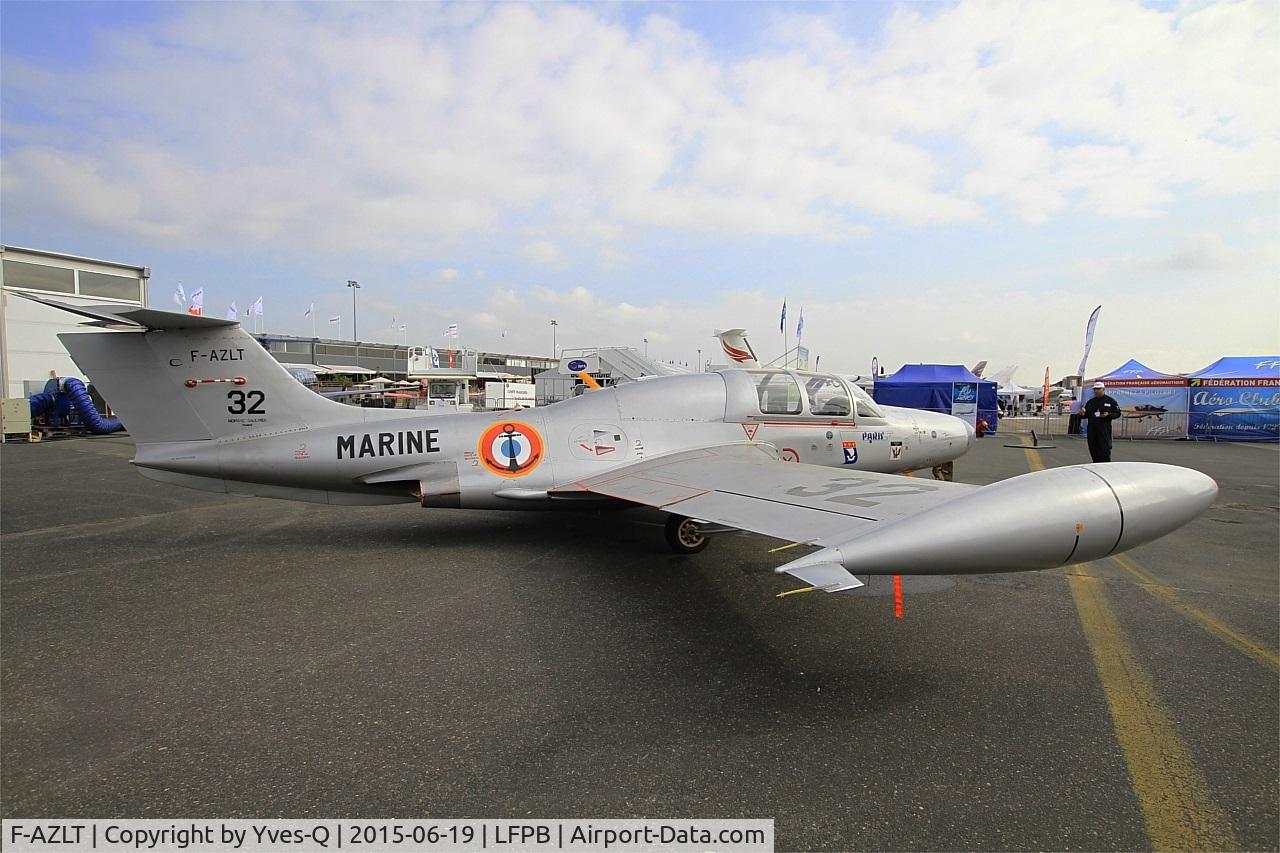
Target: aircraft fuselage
512,459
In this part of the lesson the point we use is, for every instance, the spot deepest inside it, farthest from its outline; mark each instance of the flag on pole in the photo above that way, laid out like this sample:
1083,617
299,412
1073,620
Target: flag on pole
337,319
1088,339
310,308
256,308
800,326
231,312
197,302
452,331
782,323
180,296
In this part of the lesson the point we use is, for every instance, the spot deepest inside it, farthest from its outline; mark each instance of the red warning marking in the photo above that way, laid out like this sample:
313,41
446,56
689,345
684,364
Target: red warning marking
601,449
897,596
750,430
192,383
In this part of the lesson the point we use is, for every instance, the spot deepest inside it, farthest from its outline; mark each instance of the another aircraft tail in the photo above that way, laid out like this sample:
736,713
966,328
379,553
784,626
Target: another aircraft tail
175,377
735,346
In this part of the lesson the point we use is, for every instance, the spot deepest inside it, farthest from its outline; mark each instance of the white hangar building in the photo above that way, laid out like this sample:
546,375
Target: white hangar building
29,346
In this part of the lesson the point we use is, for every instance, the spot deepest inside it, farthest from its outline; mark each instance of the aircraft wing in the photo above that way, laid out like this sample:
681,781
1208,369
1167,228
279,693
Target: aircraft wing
872,524
750,488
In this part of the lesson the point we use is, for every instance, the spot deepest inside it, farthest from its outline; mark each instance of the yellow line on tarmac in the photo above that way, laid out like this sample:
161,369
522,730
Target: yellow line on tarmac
1034,462
1209,622
1172,793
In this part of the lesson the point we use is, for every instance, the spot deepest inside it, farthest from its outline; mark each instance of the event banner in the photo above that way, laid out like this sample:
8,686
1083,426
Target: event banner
1150,411
1236,409
964,401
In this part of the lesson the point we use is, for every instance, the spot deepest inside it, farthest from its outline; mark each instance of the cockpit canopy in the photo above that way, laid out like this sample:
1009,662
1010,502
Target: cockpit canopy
753,393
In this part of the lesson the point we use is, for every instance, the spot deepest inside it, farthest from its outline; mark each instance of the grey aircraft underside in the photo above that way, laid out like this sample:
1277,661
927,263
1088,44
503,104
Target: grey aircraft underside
794,455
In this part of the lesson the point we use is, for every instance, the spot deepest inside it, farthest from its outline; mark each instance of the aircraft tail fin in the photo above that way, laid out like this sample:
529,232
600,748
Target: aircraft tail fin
176,377
735,346
1005,375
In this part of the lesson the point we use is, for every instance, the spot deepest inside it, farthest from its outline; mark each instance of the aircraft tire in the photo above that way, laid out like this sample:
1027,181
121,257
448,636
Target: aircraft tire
683,535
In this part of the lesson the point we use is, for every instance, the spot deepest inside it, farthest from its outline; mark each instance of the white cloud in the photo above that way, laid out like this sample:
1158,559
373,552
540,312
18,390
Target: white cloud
447,274
1201,253
232,124
543,252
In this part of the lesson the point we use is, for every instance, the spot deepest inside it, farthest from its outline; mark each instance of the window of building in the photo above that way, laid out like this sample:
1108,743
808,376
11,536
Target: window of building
110,286
779,394
39,277
827,396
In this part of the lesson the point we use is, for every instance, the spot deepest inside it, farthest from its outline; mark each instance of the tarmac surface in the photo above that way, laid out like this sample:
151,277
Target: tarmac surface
173,653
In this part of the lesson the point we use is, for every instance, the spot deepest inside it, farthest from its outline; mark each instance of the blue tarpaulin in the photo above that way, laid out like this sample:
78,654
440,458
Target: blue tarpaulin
930,387
1237,398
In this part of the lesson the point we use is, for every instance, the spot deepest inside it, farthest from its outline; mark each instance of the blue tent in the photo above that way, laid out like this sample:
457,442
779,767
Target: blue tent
1241,367
1131,369
1153,404
930,387
1237,398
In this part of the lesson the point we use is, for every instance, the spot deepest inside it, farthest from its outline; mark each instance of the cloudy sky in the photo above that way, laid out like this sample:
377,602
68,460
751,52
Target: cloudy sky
931,182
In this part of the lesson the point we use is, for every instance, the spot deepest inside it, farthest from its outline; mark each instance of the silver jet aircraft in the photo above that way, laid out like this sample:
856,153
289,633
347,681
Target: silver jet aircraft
758,450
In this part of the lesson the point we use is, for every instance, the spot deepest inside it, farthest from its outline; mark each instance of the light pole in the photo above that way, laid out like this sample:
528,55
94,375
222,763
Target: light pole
646,347
699,361
355,332
553,338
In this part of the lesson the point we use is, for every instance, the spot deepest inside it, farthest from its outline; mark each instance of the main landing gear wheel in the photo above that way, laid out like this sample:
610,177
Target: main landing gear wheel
684,535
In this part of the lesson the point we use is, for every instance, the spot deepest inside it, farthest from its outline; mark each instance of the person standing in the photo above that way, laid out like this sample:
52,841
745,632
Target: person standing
1098,413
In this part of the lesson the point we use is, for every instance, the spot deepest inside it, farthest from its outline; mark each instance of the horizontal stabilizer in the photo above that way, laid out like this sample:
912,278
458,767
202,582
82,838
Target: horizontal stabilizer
828,577
143,318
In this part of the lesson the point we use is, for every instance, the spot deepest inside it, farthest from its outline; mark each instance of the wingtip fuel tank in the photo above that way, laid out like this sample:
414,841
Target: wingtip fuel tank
1046,519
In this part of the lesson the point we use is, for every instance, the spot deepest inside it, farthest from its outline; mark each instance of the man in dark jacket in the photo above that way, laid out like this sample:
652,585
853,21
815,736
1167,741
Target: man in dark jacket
1098,413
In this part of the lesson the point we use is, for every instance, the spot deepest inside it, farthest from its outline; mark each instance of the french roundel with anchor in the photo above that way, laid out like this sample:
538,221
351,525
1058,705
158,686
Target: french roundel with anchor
510,448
